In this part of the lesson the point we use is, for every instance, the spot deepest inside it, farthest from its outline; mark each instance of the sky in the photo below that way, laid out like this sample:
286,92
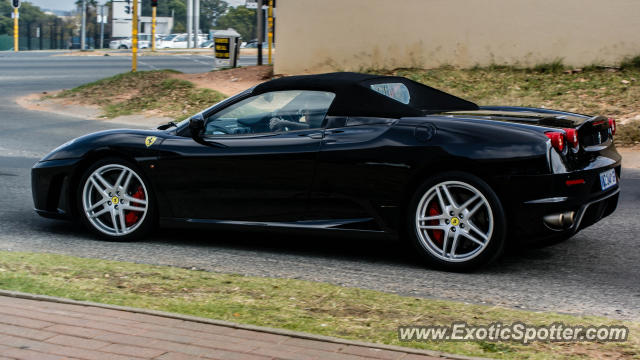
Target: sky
69,4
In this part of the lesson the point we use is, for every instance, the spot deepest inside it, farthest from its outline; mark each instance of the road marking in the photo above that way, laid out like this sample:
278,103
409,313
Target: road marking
153,67
198,61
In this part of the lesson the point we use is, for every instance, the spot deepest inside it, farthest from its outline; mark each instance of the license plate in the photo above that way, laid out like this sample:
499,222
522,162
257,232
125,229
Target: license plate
608,179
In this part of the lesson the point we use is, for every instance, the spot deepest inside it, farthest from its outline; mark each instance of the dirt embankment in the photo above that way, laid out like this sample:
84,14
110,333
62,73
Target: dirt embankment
230,81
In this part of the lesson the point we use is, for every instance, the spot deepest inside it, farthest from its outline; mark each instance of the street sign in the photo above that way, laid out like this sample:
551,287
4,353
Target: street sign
223,50
15,15
102,19
225,44
16,3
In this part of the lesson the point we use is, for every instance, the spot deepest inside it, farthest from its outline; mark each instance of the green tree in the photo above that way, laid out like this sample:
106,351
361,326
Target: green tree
29,14
210,11
241,19
6,23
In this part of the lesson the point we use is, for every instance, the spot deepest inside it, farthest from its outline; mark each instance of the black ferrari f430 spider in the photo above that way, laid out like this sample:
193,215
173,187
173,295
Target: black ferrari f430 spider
346,152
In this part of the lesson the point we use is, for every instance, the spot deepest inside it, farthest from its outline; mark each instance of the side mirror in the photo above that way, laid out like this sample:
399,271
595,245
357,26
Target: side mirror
196,126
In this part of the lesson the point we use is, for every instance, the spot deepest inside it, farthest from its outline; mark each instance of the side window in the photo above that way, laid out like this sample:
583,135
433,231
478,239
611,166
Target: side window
396,91
181,38
275,111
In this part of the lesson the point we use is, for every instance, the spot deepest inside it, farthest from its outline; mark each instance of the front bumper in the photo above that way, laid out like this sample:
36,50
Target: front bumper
50,187
534,197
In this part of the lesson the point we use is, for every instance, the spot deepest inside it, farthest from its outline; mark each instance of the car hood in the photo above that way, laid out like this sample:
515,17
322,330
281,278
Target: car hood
129,141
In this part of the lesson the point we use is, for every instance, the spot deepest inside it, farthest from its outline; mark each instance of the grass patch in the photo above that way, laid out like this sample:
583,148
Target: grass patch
631,63
291,304
628,134
144,91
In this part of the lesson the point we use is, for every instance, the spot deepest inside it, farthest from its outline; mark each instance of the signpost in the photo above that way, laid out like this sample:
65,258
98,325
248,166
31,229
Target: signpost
16,29
134,37
102,19
270,29
225,43
260,31
83,28
154,8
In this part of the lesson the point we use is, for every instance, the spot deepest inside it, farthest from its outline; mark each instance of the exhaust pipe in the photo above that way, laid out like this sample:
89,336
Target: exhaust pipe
560,221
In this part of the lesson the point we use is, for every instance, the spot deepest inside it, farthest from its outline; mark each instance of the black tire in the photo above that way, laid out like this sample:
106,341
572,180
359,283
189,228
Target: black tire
493,247
146,224
123,47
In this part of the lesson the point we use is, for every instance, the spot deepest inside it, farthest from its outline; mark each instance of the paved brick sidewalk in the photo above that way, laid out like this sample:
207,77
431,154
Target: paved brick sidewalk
43,330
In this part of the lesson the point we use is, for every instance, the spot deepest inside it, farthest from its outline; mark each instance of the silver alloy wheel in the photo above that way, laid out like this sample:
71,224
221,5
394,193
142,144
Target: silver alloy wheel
462,216
107,199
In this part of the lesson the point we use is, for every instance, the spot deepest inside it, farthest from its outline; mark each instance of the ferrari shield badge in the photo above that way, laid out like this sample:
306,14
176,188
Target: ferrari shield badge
150,140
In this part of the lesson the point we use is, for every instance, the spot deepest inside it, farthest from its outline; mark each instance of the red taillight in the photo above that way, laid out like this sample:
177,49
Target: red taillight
575,182
572,137
612,126
557,140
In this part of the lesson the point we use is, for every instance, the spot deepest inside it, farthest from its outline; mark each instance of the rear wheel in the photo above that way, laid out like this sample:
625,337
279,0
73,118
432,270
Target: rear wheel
114,200
457,222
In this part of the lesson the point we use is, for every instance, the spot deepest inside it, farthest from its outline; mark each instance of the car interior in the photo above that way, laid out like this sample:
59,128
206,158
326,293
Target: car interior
277,111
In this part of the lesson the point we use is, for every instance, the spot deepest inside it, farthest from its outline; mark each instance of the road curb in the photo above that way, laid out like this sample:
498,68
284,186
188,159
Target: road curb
229,324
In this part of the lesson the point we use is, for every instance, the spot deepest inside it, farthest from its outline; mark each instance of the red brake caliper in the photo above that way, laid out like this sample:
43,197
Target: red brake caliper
433,210
131,217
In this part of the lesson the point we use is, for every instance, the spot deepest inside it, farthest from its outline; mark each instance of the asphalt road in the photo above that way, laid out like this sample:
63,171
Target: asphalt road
596,272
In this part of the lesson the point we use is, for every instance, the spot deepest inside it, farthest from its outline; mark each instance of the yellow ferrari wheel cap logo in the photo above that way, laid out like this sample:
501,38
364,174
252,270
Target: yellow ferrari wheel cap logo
150,140
115,200
455,221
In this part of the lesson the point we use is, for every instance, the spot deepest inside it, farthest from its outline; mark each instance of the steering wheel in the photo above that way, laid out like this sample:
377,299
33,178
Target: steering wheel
283,116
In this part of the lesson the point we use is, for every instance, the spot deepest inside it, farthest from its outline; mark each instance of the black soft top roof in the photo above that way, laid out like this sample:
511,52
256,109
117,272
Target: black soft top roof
354,96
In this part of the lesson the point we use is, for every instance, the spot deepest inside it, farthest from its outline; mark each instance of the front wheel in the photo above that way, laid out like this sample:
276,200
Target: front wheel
457,222
115,201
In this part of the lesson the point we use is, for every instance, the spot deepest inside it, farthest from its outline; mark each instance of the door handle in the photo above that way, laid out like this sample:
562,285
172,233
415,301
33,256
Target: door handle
318,135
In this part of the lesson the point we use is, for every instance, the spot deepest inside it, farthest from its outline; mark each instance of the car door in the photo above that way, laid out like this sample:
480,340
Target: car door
358,173
256,162
180,42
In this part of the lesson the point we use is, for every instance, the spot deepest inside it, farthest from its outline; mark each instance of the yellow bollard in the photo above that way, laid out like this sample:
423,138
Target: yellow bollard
134,37
16,33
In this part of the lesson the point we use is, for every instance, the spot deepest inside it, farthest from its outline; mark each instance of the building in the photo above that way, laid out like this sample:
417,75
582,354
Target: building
122,18
318,36
122,28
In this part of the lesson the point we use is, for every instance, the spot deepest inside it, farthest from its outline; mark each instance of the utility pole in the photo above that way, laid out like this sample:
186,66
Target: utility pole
260,31
39,33
102,21
189,22
83,32
16,29
134,37
196,23
154,13
270,30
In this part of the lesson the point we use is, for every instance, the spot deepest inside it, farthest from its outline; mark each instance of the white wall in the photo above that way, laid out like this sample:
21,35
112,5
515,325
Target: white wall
326,35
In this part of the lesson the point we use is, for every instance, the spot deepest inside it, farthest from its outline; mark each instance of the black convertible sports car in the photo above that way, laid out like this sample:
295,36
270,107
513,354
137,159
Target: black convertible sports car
346,152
